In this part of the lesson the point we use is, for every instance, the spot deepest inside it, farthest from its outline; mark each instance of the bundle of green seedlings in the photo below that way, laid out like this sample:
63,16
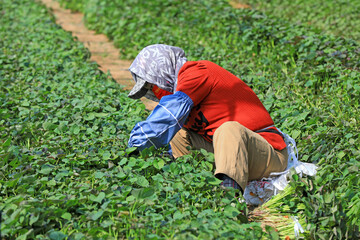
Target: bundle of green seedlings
278,214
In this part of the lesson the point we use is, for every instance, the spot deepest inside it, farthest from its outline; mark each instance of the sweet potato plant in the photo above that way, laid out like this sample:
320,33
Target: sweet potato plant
64,170
309,81
338,17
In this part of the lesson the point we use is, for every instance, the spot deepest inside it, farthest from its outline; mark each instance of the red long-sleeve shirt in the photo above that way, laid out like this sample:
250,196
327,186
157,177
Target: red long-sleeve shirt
219,96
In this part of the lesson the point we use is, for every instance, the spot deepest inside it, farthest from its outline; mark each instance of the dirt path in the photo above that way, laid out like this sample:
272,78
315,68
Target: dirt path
102,50
238,4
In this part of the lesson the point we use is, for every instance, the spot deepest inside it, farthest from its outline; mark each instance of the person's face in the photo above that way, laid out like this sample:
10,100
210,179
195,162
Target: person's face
149,86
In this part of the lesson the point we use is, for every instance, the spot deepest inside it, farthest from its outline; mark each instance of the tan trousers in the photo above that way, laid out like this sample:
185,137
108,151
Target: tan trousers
239,153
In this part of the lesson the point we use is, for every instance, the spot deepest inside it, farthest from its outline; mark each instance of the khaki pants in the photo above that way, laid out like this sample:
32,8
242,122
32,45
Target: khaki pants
240,153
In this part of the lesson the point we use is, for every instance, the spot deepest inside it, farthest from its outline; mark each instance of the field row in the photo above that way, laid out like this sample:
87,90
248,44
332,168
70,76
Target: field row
309,81
64,124
337,17
64,170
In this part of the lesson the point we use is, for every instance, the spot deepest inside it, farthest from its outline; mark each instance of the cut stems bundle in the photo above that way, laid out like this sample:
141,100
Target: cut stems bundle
276,213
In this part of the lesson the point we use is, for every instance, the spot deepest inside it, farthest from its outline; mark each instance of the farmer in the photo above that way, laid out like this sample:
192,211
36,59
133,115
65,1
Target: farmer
202,105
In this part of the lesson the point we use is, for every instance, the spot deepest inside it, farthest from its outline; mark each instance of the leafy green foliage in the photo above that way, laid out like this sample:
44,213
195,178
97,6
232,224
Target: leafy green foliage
64,172
339,17
307,80
64,124
73,5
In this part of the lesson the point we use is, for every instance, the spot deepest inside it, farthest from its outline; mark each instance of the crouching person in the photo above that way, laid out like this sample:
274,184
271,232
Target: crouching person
202,105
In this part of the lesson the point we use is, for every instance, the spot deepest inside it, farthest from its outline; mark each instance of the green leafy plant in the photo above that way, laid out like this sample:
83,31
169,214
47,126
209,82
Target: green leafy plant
331,17
64,125
65,170
309,81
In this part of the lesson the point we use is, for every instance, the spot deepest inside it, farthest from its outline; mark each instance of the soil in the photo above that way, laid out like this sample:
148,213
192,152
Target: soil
239,4
102,49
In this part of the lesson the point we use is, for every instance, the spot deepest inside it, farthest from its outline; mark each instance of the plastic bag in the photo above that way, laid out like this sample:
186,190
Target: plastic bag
258,192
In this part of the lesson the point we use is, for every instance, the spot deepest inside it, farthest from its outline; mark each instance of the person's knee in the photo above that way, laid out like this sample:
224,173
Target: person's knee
230,127
180,137
179,143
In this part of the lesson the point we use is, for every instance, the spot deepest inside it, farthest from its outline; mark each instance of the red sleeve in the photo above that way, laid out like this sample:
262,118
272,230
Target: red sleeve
159,93
193,80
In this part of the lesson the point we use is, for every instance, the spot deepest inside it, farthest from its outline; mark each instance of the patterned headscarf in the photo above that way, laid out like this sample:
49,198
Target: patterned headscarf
158,64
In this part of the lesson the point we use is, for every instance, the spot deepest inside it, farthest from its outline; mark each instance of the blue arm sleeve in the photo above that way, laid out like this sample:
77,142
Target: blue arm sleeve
163,123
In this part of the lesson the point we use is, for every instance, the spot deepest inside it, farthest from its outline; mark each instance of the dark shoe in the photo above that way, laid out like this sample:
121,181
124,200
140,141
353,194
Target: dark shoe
229,182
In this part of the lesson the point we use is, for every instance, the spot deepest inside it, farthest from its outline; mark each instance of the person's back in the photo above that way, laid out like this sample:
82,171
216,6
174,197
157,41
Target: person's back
219,97
207,108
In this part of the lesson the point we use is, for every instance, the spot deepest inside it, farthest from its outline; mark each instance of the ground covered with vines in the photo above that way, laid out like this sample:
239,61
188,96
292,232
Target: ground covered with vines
64,171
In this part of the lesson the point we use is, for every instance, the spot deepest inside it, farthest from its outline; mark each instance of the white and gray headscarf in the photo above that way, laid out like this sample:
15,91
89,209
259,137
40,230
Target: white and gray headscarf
158,64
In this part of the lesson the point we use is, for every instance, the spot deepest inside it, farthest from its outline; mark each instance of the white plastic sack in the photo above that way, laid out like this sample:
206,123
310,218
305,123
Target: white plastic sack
258,192
297,227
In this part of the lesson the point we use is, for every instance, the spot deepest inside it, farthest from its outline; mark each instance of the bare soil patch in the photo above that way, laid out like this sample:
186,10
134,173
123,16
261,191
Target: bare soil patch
239,4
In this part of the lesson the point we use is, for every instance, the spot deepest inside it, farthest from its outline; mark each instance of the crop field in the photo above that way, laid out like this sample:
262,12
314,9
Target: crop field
337,17
64,124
